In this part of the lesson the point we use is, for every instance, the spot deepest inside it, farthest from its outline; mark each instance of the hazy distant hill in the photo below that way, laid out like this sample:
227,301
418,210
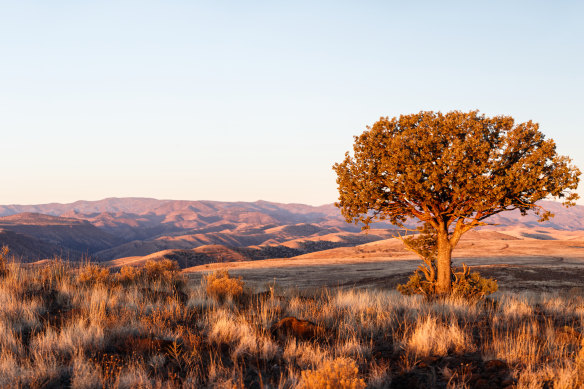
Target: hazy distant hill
566,219
135,226
27,249
39,235
143,213
187,256
127,227
140,218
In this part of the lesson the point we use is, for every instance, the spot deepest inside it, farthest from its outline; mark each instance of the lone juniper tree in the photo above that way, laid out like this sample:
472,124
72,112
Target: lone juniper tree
451,171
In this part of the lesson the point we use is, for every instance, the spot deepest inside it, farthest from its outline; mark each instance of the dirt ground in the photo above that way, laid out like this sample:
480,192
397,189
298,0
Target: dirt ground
518,265
537,274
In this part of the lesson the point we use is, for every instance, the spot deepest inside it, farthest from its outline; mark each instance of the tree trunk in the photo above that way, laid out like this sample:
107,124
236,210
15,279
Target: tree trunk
443,265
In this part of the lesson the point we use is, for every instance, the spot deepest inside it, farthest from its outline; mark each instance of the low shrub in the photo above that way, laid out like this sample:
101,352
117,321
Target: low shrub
221,286
339,373
164,270
129,275
467,285
417,285
472,286
92,274
155,279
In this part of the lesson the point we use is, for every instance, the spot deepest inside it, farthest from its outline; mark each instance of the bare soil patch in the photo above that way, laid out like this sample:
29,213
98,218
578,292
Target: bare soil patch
517,264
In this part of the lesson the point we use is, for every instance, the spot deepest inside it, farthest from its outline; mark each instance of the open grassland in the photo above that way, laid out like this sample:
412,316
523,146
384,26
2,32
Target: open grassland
85,327
553,262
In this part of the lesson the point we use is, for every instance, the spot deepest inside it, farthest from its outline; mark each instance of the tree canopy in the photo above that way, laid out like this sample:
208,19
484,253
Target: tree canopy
451,171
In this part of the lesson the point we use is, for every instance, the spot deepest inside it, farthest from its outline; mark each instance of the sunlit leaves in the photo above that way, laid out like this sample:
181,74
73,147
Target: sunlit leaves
451,170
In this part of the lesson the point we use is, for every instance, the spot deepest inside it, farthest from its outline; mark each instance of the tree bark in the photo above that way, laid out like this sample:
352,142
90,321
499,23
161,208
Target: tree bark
443,265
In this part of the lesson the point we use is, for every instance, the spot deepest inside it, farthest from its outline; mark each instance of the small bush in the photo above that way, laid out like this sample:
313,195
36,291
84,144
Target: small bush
221,286
417,285
467,285
129,275
339,373
93,274
164,270
424,280
472,286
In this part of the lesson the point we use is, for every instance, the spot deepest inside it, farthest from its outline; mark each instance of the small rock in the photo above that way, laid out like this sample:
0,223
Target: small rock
482,384
495,364
301,329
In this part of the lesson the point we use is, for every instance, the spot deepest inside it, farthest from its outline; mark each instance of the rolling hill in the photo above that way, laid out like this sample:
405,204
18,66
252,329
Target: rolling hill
137,227
25,248
37,236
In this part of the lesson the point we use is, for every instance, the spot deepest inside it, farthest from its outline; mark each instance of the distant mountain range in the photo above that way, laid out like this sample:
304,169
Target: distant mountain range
136,227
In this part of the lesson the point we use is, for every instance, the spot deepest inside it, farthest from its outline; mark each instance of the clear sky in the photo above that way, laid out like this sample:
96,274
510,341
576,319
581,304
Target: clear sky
249,100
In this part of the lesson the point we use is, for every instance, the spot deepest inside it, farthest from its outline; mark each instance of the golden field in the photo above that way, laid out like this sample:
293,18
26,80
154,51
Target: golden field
87,326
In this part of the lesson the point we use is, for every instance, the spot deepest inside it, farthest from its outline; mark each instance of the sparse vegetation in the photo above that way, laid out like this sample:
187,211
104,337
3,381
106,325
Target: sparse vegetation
92,274
338,373
4,261
424,281
467,285
136,329
471,285
164,270
221,286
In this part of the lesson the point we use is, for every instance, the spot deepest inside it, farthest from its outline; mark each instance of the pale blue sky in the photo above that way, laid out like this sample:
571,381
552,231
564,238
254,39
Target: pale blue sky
250,100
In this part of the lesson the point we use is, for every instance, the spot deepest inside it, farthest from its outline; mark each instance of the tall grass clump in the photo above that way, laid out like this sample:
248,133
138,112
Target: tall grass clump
431,337
4,261
92,274
337,373
221,286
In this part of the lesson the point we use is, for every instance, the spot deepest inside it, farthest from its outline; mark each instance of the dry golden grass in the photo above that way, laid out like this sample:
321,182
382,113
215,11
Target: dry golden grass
430,337
337,373
65,326
4,260
221,286
93,274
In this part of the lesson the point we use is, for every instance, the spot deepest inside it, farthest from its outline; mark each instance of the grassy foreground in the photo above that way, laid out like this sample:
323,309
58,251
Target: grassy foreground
82,327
